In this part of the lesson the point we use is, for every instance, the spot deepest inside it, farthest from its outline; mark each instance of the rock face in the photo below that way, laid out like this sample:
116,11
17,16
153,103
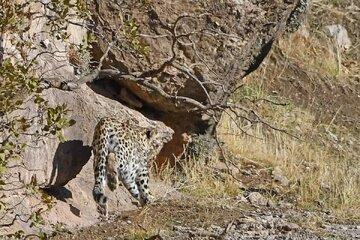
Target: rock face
64,170
340,36
50,52
216,43
57,163
196,49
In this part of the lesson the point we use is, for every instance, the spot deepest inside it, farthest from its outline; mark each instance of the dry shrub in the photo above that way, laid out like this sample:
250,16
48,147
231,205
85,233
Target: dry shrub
210,183
318,177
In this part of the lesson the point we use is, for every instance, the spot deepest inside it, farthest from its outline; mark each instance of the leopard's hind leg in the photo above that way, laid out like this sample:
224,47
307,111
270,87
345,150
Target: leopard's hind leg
127,175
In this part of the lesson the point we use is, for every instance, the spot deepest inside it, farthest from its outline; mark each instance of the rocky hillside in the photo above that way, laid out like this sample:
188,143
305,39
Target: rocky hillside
262,111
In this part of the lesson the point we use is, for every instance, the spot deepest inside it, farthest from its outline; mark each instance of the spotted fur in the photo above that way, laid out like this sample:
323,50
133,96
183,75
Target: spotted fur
122,150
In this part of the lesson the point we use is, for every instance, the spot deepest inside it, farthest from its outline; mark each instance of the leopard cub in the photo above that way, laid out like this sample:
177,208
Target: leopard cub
122,152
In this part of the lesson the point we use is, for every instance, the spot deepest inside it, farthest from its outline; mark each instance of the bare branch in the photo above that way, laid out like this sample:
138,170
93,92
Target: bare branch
188,72
189,103
273,127
105,55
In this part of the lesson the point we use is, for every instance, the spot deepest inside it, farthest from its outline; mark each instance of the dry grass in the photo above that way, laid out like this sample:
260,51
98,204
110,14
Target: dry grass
209,184
345,13
314,52
318,177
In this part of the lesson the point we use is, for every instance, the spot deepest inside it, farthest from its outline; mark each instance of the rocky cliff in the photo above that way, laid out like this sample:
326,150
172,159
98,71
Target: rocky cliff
172,64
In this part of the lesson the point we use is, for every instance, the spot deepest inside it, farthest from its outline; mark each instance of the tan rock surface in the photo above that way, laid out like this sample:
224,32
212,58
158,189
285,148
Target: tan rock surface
53,164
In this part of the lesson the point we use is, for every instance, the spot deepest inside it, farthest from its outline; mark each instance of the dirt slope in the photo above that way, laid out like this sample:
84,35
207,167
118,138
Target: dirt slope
185,219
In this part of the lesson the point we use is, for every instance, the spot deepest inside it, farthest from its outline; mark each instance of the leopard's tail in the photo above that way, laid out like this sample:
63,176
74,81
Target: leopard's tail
100,155
111,172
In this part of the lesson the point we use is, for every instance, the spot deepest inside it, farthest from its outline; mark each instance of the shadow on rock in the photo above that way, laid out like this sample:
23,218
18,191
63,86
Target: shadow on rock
70,157
60,193
75,210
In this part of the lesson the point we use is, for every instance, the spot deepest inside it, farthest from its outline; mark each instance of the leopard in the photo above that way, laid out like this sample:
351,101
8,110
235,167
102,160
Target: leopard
123,152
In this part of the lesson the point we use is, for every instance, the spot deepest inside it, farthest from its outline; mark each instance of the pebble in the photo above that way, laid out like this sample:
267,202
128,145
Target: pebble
279,177
256,198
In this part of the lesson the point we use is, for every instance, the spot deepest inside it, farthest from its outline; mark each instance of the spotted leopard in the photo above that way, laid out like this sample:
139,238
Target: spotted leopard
122,152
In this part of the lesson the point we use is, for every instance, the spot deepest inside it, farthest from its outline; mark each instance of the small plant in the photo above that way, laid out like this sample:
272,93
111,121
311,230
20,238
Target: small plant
36,218
21,89
131,32
63,12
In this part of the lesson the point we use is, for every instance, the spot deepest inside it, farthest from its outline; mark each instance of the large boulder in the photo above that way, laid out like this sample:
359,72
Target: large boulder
55,163
216,42
64,169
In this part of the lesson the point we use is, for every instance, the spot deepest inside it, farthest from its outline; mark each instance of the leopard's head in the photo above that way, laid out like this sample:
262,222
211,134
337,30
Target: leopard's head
156,138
